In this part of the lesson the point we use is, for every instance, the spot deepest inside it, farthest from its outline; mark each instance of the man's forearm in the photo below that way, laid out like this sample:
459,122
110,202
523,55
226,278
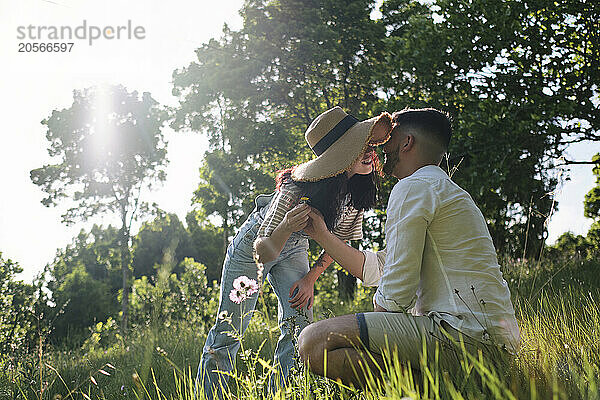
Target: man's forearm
320,265
349,258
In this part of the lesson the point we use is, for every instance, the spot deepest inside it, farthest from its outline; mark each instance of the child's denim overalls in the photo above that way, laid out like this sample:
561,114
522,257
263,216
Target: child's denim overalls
292,264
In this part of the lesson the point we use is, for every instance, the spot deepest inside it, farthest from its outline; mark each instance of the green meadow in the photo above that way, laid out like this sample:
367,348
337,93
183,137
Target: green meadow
556,304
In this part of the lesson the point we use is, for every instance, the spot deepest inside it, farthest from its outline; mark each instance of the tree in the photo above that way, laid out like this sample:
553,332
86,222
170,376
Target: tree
591,206
106,147
166,237
519,78
255,91
21,306
84,283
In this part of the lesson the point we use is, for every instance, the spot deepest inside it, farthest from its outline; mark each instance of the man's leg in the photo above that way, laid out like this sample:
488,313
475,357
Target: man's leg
333,348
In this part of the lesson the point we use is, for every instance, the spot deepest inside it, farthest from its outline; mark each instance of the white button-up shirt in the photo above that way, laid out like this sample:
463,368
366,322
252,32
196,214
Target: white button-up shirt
440,260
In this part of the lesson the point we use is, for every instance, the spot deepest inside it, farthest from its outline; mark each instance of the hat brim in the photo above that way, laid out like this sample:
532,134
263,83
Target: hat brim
342,154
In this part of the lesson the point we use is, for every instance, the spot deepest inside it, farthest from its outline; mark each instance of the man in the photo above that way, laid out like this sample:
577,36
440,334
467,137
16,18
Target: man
438,277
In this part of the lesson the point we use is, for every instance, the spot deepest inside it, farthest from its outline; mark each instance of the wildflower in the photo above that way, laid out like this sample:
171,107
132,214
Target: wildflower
236,295
259,271
223,314
243,288
252,287
241,282
161,351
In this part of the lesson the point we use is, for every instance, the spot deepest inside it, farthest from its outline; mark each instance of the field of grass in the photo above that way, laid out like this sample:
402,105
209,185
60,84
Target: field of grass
557,307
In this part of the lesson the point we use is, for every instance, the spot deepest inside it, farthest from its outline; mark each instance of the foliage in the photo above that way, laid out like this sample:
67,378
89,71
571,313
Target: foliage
21,306
84,281
253,92
166,235
591,206
169,297
205,239
559,358
518,79
106,147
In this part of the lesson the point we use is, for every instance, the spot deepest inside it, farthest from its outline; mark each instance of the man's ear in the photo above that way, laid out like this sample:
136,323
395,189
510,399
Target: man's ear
407,143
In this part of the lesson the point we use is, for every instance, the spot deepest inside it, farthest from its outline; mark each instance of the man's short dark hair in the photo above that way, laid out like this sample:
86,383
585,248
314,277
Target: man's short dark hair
430,121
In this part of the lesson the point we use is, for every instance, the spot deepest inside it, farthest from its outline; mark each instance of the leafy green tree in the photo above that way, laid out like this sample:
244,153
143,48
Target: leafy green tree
204,245
519,78
165,236
569,246
84,282
84,302
106,148
155,240
255,91
591,203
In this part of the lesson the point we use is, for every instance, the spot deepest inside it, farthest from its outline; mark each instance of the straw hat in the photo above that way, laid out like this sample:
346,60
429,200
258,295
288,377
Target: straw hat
339,139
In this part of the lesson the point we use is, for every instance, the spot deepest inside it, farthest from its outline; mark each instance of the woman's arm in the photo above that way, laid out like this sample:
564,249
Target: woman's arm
268,248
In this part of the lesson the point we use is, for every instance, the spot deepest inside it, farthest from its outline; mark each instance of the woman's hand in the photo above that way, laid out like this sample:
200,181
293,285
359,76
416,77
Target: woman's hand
295,219
305,292
316,224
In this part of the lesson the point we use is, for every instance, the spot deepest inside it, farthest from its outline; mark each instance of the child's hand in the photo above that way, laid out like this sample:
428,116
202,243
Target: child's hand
303,292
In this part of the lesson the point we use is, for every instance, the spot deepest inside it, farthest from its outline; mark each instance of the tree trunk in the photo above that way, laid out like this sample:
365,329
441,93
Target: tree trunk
346,285
226,231
125,269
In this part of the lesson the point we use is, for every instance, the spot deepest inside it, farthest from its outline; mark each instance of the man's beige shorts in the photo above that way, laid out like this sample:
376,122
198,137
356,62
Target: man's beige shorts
411,337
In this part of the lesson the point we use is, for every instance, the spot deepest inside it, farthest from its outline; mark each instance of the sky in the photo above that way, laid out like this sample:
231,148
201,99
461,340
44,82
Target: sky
34,84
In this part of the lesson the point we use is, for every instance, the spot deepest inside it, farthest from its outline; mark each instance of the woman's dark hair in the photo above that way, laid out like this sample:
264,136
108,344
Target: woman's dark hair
329,195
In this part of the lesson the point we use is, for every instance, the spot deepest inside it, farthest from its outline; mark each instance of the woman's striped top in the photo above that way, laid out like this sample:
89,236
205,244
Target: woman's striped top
348,226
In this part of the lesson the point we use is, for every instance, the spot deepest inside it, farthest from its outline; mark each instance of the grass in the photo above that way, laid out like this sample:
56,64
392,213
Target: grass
557,309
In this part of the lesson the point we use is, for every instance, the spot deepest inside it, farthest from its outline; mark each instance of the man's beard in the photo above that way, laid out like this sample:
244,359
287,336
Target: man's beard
391,159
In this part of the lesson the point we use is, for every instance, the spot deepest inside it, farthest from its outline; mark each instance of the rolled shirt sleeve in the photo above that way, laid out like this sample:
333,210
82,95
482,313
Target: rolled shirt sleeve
409,212
373,267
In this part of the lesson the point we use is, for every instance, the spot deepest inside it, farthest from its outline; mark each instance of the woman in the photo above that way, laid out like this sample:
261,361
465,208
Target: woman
341,183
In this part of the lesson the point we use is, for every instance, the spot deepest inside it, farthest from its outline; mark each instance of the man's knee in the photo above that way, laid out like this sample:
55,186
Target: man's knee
305,342
311,347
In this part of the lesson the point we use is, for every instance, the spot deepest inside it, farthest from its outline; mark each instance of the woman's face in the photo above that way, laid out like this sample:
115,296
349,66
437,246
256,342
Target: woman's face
364,164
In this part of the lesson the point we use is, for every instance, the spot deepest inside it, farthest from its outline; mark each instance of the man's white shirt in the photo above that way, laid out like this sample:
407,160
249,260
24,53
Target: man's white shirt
440,260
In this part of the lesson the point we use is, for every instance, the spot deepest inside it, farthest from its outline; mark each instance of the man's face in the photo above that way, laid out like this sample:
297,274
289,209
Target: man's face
392,152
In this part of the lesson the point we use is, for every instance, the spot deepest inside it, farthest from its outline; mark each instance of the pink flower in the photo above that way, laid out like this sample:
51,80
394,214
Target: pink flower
236,296
252,287
243,288
241,282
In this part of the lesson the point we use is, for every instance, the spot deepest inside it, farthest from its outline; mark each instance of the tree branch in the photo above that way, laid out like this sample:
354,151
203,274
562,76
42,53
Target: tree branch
571,162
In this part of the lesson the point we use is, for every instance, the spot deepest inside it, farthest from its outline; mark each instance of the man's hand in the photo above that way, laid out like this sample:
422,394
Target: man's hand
295,219
316,224
378,308
305,292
